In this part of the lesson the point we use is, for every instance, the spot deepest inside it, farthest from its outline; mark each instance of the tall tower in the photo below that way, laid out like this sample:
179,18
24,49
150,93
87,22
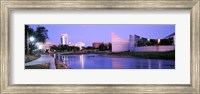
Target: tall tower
64,39
132,42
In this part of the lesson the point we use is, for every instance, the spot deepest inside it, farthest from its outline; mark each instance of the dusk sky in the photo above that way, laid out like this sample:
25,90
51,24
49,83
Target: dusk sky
89,33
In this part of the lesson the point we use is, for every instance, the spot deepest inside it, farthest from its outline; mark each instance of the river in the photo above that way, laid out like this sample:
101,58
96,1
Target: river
99,61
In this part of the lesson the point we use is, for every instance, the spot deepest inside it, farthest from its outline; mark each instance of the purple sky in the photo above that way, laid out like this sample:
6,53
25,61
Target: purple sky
89,33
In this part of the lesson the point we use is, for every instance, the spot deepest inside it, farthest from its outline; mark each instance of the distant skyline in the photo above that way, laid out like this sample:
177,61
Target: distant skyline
89,33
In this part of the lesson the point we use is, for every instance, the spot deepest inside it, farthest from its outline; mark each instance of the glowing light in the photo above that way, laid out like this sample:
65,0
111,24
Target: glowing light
32,39
54,55
148,39
40,46
82,62
63,59
159,64
158,41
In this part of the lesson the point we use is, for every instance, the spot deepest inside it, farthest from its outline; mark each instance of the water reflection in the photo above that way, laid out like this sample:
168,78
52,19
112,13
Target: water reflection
96,61
149,63
81,61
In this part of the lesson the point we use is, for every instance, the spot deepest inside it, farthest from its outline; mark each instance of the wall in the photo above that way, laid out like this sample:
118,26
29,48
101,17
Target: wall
131,42
154,48
120,47
119,44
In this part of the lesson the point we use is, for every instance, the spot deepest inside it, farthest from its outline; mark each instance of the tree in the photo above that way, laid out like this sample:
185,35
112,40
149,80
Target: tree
59,48
28,32
66,47
110,46
53,48
74,48
166,41
41,34
148,43
89,47
102,47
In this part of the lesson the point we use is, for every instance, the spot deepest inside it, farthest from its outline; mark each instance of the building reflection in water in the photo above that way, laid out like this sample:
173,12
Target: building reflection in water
136,63
63,59
90,61
118,63
115,64
149,64
141,64
82,61
159,64
54,55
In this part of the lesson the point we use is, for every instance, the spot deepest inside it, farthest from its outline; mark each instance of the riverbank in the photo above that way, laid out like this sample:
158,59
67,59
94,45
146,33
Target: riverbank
30,58
60,65
42,62
80,52
148,55
39,66
170,55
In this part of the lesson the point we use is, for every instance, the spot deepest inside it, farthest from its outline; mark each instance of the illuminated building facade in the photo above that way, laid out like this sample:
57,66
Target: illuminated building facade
64,39
80,45
97,44
140,44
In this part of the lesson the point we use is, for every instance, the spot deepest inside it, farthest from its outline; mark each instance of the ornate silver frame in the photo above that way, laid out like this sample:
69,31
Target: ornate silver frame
8,5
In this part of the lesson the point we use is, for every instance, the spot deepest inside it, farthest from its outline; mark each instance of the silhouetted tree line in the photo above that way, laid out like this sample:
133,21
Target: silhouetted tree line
40,35
64,48
88,48
153,42
169,41
103,47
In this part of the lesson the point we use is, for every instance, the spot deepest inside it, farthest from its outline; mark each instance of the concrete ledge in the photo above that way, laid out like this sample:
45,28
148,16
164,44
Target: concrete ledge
154,48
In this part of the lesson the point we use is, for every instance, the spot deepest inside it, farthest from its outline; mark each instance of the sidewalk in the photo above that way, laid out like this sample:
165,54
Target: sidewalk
43,59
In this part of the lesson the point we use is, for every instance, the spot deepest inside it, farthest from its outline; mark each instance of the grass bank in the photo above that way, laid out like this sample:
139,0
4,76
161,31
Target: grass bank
60,65
149,55
74,53
39,66
31,58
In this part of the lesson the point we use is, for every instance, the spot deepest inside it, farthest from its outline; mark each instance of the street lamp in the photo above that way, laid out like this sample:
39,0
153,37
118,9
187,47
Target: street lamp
32,39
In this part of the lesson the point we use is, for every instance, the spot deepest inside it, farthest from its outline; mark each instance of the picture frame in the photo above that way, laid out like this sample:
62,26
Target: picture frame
8,5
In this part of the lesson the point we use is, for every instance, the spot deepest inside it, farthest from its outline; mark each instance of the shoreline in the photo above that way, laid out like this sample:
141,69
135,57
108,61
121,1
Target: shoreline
170,55
119,56
60,65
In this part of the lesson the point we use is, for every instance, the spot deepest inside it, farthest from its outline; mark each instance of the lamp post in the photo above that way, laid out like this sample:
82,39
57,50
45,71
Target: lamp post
31,39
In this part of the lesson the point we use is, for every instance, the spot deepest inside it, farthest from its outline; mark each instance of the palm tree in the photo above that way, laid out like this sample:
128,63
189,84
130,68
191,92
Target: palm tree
28,32
41,34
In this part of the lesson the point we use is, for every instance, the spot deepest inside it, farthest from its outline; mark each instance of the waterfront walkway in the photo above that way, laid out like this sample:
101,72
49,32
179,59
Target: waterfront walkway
42,60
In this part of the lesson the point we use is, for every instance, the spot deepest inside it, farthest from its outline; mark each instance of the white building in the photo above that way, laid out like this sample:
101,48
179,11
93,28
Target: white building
40,45
44,46
64,39
79,44
47,45
70,44
120,45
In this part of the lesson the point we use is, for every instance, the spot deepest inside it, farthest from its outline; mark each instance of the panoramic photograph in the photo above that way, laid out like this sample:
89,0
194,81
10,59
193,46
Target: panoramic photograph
99,46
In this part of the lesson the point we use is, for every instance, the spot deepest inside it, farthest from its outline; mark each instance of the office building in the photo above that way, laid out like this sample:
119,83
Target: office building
64,39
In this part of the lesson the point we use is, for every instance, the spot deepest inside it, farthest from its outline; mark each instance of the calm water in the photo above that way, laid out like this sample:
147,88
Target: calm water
97,61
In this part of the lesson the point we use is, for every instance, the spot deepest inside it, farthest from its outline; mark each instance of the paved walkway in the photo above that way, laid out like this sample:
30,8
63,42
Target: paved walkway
43,59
